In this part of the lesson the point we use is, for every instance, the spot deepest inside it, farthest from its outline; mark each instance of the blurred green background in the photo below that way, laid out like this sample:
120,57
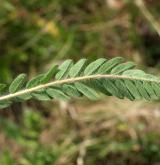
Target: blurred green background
34,34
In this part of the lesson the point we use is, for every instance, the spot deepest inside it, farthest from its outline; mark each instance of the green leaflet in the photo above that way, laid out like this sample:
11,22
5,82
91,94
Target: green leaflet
156,88
64,70
123,89
87,91
109,85
122,67
134,73
42,96
142,90
17,83
77,68
150,90
5,104
133,89
32,83
108,65
97,85
92,67
71,90
24,97
57,94
49,75
35,81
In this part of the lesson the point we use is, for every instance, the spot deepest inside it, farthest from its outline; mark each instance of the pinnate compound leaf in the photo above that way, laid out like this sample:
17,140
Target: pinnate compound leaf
110,77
